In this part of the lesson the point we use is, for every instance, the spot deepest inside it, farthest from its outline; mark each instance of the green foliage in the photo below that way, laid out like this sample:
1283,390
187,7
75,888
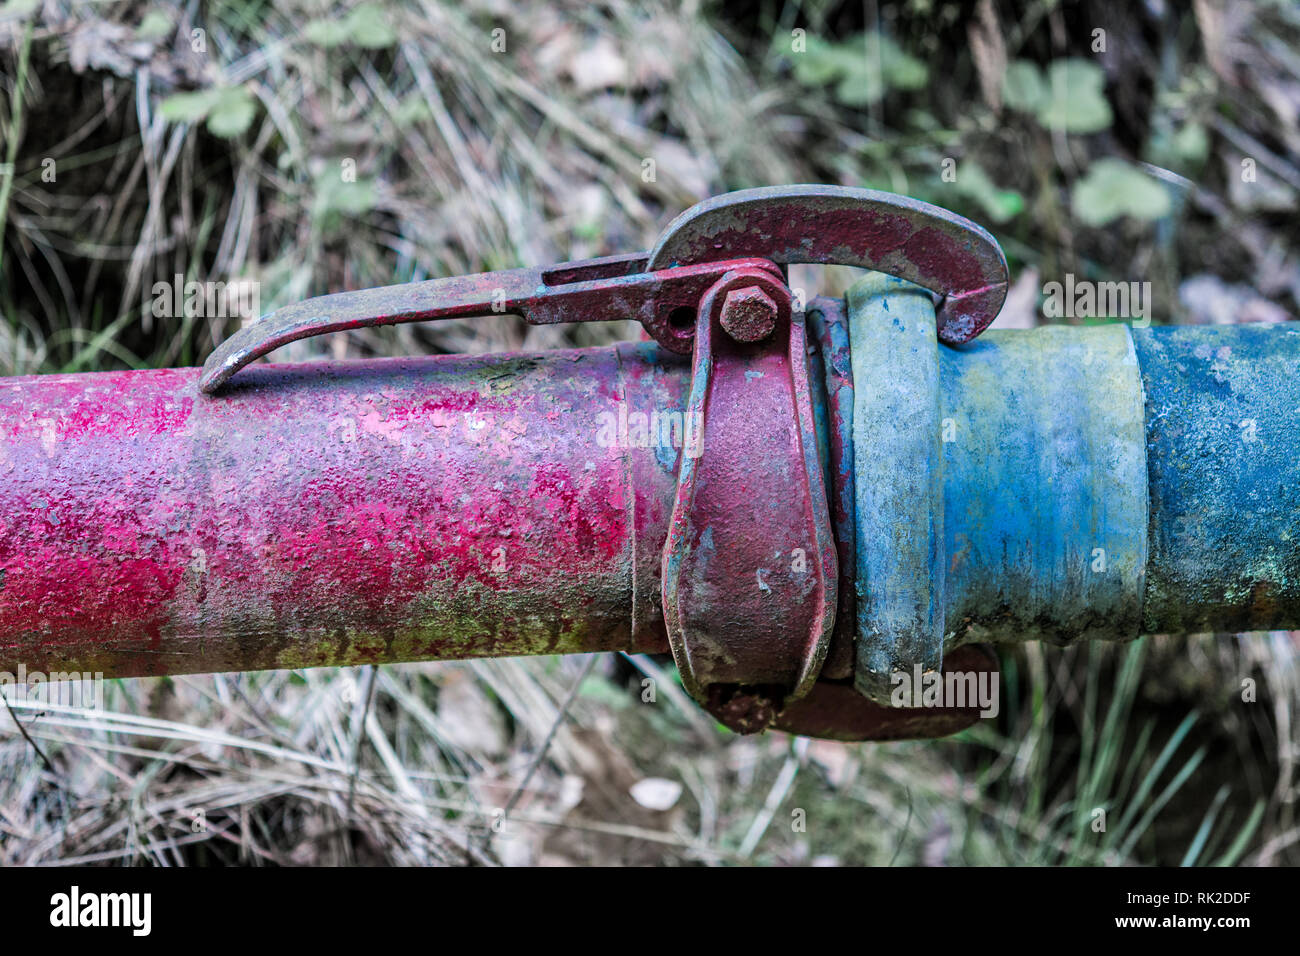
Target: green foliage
1191,143
229,110
1127,771
1184,148
326,33
1070,98
413,109
1022,86
998,204
155,25
367,26
18,8
1113,188
863,68
337,197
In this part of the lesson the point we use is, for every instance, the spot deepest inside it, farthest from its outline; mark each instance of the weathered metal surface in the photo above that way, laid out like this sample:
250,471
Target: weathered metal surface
593,290
937,249
334,513
830,374
1100,483
829,224
749,576
1045,486
898,465
341,513
1223,446
748,314
835,710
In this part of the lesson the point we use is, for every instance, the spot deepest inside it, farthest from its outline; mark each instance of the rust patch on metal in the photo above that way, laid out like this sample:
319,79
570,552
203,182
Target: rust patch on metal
835,710
749,570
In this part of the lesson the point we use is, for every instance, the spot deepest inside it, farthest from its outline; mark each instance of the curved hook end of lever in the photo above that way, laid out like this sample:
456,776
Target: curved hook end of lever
562,293
217,372
454,297
839,225
253,341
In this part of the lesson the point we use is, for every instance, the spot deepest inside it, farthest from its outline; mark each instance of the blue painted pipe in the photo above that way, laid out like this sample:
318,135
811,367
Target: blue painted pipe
1066,483
1223,464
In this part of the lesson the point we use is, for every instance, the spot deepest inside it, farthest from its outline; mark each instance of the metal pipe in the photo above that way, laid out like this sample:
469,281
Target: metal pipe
1097,482
1106,482
336,513
1223,457
1045,475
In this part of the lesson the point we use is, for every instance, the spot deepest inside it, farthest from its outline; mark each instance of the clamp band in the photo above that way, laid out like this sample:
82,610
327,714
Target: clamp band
898,466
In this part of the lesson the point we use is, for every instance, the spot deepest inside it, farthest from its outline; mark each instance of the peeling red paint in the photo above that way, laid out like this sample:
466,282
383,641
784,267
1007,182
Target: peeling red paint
328,512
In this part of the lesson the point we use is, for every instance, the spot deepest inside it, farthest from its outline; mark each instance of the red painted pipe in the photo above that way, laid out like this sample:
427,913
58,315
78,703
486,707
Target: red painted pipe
337,513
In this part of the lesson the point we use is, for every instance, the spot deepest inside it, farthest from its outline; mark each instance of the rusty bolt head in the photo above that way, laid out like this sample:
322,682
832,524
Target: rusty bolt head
748,315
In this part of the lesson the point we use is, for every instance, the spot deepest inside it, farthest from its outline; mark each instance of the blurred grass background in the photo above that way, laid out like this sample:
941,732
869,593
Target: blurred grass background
312,147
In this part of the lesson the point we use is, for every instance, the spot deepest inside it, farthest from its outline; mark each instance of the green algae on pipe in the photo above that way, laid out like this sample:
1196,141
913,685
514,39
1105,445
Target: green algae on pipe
1223,446
1045,486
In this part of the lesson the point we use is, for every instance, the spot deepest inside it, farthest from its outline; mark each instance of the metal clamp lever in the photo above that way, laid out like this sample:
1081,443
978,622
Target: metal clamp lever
592,290
950,256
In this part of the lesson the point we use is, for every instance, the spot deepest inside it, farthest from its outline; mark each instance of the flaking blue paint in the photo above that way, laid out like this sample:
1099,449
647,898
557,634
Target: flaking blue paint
1223,438
1045,485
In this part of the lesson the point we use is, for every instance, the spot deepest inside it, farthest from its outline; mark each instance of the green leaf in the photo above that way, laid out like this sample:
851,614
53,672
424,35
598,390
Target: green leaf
369,27
1075,101
1181,148
864,68
860,88
1234,852
1207,825
229,110
233,113
155,25
326,33
600,691
900,69
999,204
336,195
411,110
18,8
1191,143
1022,87
1112,188
189,107
820,63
